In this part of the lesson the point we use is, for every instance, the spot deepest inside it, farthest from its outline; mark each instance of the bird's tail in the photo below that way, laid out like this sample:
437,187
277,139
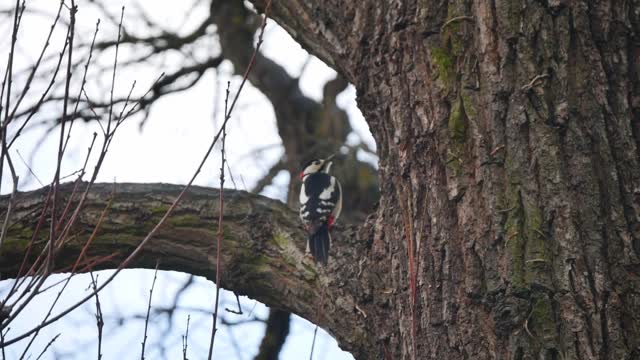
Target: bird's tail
319,243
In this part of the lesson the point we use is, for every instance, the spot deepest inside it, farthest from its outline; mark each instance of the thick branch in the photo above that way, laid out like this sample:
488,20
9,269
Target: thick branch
319,26
262,253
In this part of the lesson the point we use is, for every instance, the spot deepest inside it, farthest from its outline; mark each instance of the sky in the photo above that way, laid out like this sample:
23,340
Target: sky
167,148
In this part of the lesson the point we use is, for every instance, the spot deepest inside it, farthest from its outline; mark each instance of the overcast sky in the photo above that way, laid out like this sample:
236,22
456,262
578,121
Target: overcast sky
167,149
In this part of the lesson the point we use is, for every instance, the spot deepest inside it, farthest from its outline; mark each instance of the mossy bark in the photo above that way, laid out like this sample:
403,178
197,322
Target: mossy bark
262,249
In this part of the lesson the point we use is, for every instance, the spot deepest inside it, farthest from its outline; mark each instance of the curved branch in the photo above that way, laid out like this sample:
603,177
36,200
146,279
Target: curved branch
318,26
262,250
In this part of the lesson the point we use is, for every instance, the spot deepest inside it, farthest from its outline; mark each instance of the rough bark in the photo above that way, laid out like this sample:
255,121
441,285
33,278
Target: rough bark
509,143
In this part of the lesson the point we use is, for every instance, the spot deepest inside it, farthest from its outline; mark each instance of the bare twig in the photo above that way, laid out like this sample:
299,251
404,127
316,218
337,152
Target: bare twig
8,80
34,109
115,66
12,199
228,111
99,318
146,321
4,355
68,279
313,343
56,179
48,345
239,311
155,229
4,150
185,340
220,219
29,168
28,252
83,83
27,85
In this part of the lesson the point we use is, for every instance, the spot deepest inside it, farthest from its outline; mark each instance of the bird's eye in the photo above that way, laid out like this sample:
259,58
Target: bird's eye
316,162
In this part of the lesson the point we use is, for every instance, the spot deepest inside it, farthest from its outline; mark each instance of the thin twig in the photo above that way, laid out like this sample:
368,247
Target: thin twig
34,236
220,219
239,311
65,104
228,111
99,318
164,218
185,340
29,168
43,98
4,355
28,251
32,74
146,321
48,345
318,318
4,150
12,199
83,83
115,66
59,294
313,343
8,80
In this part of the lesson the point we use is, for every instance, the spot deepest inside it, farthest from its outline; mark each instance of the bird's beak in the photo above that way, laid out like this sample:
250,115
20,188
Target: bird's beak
330,157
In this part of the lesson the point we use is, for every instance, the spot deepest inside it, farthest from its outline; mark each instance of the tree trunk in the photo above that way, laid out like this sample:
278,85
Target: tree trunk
509,143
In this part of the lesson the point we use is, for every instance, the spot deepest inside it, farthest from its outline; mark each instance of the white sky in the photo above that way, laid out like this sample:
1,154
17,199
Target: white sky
168,149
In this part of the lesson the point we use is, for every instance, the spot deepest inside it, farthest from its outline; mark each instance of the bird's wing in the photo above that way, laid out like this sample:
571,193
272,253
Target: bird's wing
318,199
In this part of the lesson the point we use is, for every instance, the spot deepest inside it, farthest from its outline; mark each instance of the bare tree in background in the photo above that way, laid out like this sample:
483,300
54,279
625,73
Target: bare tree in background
508,225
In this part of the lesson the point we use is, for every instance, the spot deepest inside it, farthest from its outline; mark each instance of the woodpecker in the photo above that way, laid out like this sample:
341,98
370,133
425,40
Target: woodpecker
320,206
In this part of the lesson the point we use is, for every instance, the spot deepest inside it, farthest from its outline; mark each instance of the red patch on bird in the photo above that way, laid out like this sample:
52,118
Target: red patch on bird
330,221
301,175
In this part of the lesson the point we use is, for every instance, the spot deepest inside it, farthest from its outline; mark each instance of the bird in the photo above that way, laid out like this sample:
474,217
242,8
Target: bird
320,206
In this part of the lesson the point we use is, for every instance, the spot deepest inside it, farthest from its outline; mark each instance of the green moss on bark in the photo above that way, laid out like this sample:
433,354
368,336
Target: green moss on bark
444,63
458,121
185,221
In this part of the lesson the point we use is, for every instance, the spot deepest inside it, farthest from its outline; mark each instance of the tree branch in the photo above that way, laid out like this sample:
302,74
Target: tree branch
262,248
319,27
274,336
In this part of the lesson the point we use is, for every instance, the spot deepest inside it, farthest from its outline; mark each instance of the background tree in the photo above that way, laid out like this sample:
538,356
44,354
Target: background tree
508,224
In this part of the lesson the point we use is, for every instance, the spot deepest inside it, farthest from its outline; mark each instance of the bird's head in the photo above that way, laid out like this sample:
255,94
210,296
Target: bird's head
316,165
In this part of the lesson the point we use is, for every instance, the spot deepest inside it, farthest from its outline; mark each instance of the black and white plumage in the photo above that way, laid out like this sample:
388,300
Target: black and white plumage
320,206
